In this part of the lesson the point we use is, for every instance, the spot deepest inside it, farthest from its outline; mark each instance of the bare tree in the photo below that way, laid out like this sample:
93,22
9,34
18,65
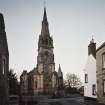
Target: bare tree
73,80
13,82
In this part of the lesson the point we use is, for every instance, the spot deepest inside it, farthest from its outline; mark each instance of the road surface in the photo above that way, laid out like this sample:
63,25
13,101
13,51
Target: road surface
67,101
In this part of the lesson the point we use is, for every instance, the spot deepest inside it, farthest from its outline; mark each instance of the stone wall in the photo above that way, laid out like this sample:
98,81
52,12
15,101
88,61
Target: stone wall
100,75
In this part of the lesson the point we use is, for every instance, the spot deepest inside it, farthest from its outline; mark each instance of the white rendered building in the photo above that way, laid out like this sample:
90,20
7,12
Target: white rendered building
90,86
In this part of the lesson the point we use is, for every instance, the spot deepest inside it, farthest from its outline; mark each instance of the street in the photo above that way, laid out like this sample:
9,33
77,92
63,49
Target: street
78,100
67,101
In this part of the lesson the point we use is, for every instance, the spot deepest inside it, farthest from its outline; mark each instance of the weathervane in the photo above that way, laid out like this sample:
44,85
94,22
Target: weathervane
92,41
44,3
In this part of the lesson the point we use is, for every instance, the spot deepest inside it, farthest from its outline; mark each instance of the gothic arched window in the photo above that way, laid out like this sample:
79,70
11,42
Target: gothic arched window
46,53
35,84
3,65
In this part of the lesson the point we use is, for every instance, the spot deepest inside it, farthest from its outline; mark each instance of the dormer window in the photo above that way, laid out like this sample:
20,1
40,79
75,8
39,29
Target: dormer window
103,60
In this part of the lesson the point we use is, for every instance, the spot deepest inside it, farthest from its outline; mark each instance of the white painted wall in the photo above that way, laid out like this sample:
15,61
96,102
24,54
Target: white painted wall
90,69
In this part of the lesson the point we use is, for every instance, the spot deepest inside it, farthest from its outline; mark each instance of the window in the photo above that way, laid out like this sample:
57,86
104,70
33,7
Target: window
35,84
93,89
3,66
46,42
104,86
103,60
86,78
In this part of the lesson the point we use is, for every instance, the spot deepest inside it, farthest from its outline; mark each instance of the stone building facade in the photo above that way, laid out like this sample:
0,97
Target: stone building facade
43,78
100,65
4,63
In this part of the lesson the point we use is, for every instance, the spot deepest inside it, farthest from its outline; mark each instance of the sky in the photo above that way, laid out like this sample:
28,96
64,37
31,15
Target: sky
72,23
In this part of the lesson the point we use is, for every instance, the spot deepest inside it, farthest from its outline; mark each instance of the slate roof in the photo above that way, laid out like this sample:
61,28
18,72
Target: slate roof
3,38
103,45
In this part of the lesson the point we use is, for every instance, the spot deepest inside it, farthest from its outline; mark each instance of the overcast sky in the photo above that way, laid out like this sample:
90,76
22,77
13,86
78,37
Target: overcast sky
71,23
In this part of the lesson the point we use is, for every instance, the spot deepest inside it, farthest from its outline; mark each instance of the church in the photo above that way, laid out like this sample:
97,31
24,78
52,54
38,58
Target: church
43,79
4,64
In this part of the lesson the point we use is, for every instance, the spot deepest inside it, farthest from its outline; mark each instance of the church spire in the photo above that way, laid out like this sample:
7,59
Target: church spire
45,15
45,26
45,40
59,71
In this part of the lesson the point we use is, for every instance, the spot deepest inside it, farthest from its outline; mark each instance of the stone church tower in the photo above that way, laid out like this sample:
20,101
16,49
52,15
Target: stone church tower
45,58
43,78
4,63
